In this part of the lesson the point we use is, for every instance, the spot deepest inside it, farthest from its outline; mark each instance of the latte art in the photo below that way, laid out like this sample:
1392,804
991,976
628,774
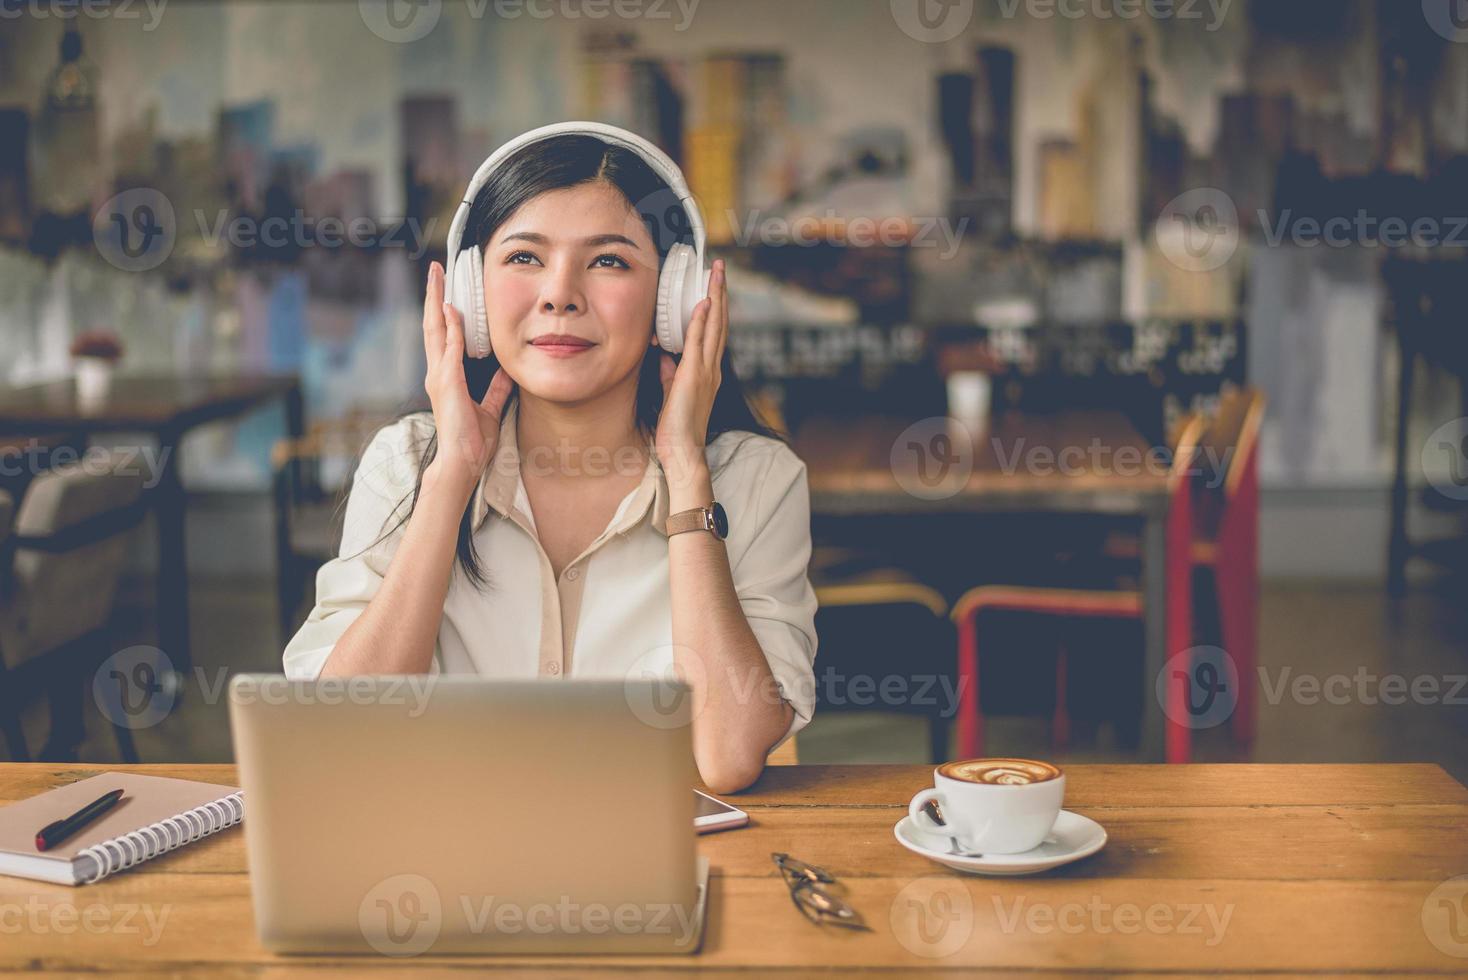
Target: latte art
1006,776
1000,772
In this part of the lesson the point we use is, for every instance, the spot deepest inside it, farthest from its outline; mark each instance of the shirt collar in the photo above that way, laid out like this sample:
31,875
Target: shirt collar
499,486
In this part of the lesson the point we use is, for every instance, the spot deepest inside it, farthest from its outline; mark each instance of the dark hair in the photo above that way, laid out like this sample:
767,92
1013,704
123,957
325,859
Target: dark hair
553,164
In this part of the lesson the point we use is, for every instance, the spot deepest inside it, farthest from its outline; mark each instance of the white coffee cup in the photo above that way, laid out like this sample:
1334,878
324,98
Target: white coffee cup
969,393
993,806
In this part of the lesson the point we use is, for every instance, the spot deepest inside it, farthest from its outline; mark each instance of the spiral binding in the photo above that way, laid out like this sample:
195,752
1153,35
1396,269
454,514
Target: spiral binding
145,843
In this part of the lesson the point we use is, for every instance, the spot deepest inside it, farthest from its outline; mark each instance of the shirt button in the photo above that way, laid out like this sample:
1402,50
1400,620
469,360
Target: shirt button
573,573
553,668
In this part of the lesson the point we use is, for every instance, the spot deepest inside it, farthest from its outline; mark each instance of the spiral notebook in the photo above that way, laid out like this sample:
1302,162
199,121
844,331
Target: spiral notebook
156,815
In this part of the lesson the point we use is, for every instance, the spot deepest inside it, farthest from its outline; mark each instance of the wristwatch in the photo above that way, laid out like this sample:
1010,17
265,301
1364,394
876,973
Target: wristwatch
710,518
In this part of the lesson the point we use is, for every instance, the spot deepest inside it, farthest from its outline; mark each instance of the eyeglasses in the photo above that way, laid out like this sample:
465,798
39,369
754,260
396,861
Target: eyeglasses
810,890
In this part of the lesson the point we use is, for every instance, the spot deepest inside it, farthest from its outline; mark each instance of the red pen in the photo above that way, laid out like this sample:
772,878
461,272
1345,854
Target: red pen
54,833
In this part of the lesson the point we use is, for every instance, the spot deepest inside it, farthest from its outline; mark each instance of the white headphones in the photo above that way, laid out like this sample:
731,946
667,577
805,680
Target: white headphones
682,283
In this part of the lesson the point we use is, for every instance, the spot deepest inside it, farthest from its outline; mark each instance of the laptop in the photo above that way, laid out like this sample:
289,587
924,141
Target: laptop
449,814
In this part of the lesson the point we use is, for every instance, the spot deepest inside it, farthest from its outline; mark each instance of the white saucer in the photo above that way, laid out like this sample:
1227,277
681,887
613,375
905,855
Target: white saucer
1072,838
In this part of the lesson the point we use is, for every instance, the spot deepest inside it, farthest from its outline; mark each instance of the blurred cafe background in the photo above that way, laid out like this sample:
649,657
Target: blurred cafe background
1124,341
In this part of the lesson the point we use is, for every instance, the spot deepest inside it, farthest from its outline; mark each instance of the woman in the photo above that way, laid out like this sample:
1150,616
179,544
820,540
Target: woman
523,528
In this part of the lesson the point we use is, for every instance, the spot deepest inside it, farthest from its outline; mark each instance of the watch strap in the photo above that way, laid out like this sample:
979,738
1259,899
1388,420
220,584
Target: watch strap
696,519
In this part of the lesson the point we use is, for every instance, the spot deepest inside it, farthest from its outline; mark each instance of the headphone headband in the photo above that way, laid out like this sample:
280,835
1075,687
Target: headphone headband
655,158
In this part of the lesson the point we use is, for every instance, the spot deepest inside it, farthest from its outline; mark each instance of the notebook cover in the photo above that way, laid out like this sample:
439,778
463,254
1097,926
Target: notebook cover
146,800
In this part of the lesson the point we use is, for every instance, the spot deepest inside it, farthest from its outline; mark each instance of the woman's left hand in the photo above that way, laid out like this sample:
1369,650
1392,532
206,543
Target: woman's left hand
689,385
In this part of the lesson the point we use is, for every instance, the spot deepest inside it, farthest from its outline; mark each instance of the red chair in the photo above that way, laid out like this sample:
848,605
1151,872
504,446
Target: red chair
1226,540
1108,603
1225,545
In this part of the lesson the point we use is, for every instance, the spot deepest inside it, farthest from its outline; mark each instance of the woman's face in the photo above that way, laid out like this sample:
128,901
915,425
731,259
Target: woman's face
570,283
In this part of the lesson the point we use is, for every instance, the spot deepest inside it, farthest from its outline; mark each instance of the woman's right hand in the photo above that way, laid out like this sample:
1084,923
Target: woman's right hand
468,431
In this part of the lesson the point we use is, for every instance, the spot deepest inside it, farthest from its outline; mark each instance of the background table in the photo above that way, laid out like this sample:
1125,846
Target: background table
852,475
1319,869
165,407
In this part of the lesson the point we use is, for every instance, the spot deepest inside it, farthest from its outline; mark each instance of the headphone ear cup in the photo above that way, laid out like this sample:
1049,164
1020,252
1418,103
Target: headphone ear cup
466,293
679,291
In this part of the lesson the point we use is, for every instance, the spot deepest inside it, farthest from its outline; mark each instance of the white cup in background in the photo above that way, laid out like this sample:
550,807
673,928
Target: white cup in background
968,398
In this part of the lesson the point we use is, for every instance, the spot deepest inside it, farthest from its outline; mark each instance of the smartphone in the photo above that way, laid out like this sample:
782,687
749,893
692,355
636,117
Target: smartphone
710,814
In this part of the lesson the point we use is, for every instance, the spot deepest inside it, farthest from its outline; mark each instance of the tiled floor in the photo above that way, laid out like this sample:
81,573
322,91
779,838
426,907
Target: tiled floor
1309,631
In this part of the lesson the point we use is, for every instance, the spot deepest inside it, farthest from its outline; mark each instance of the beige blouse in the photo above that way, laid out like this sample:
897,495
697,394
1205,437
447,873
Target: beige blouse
609,613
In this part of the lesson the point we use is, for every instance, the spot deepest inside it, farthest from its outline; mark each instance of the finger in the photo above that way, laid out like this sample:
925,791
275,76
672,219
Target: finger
717,331
453,345
724,292
433,326
494,399
693,336
667,368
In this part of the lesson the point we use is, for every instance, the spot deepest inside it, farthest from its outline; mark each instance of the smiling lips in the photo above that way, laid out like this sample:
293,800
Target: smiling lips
561,344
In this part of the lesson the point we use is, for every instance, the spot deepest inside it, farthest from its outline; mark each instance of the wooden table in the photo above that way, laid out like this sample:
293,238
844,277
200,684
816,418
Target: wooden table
165,407
871,464
1216,869
1061,463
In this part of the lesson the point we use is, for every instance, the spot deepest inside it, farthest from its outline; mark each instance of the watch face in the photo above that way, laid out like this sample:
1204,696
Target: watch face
721,521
